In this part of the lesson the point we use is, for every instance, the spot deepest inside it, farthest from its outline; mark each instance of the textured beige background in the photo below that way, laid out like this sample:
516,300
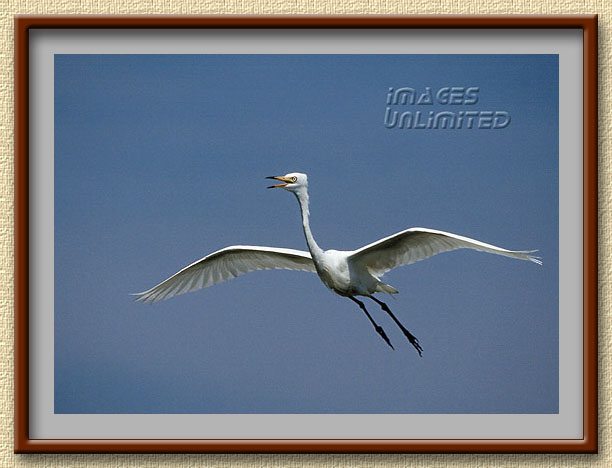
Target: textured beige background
8,8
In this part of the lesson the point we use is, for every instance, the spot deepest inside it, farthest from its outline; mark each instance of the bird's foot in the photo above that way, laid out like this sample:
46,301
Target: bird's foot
414,342
384,336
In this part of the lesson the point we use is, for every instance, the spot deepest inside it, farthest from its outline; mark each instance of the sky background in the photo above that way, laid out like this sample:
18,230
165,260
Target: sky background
160,160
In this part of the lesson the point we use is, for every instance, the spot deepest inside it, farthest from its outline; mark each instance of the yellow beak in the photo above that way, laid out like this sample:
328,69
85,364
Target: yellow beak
287,181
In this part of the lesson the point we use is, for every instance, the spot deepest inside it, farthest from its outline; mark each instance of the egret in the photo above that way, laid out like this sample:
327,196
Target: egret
348,273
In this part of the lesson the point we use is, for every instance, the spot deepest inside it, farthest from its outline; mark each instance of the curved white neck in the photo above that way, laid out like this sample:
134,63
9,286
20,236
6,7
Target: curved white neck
315,250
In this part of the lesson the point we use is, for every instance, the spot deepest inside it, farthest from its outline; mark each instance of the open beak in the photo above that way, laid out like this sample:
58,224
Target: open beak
282,179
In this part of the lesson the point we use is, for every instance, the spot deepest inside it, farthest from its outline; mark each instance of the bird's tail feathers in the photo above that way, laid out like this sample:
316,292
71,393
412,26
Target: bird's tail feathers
386,288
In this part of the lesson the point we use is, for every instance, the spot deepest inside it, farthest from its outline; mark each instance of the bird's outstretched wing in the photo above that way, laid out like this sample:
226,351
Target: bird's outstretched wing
416,244
226,264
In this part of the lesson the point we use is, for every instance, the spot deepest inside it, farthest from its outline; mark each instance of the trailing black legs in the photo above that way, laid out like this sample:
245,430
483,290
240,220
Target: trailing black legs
377,327
413,339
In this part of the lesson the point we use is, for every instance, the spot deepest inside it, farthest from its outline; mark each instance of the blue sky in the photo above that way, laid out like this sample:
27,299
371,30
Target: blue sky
160,160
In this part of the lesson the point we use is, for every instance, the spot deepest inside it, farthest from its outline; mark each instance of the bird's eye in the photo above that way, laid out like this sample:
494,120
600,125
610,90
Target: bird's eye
293,179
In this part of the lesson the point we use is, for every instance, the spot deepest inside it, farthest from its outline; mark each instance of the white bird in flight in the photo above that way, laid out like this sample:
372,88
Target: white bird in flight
348,273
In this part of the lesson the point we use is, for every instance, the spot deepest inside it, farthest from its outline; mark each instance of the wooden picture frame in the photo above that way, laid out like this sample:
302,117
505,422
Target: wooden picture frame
25,444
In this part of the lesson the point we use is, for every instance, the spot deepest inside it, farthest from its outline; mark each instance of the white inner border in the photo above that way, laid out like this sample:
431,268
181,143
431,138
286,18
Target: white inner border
44,424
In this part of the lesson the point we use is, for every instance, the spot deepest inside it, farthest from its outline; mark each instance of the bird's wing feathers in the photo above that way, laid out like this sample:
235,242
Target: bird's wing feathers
226,264
416,244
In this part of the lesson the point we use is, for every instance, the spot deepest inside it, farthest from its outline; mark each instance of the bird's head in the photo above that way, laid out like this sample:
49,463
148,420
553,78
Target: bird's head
292,182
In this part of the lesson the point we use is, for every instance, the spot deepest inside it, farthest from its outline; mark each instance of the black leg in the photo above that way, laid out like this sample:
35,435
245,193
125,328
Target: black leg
413,339
378,328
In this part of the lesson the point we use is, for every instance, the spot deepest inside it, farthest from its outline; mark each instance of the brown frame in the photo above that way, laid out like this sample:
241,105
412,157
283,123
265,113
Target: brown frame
588,444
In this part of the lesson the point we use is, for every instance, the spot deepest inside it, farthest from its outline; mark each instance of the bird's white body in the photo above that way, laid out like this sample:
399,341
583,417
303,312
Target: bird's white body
345,277
333,269
348,273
